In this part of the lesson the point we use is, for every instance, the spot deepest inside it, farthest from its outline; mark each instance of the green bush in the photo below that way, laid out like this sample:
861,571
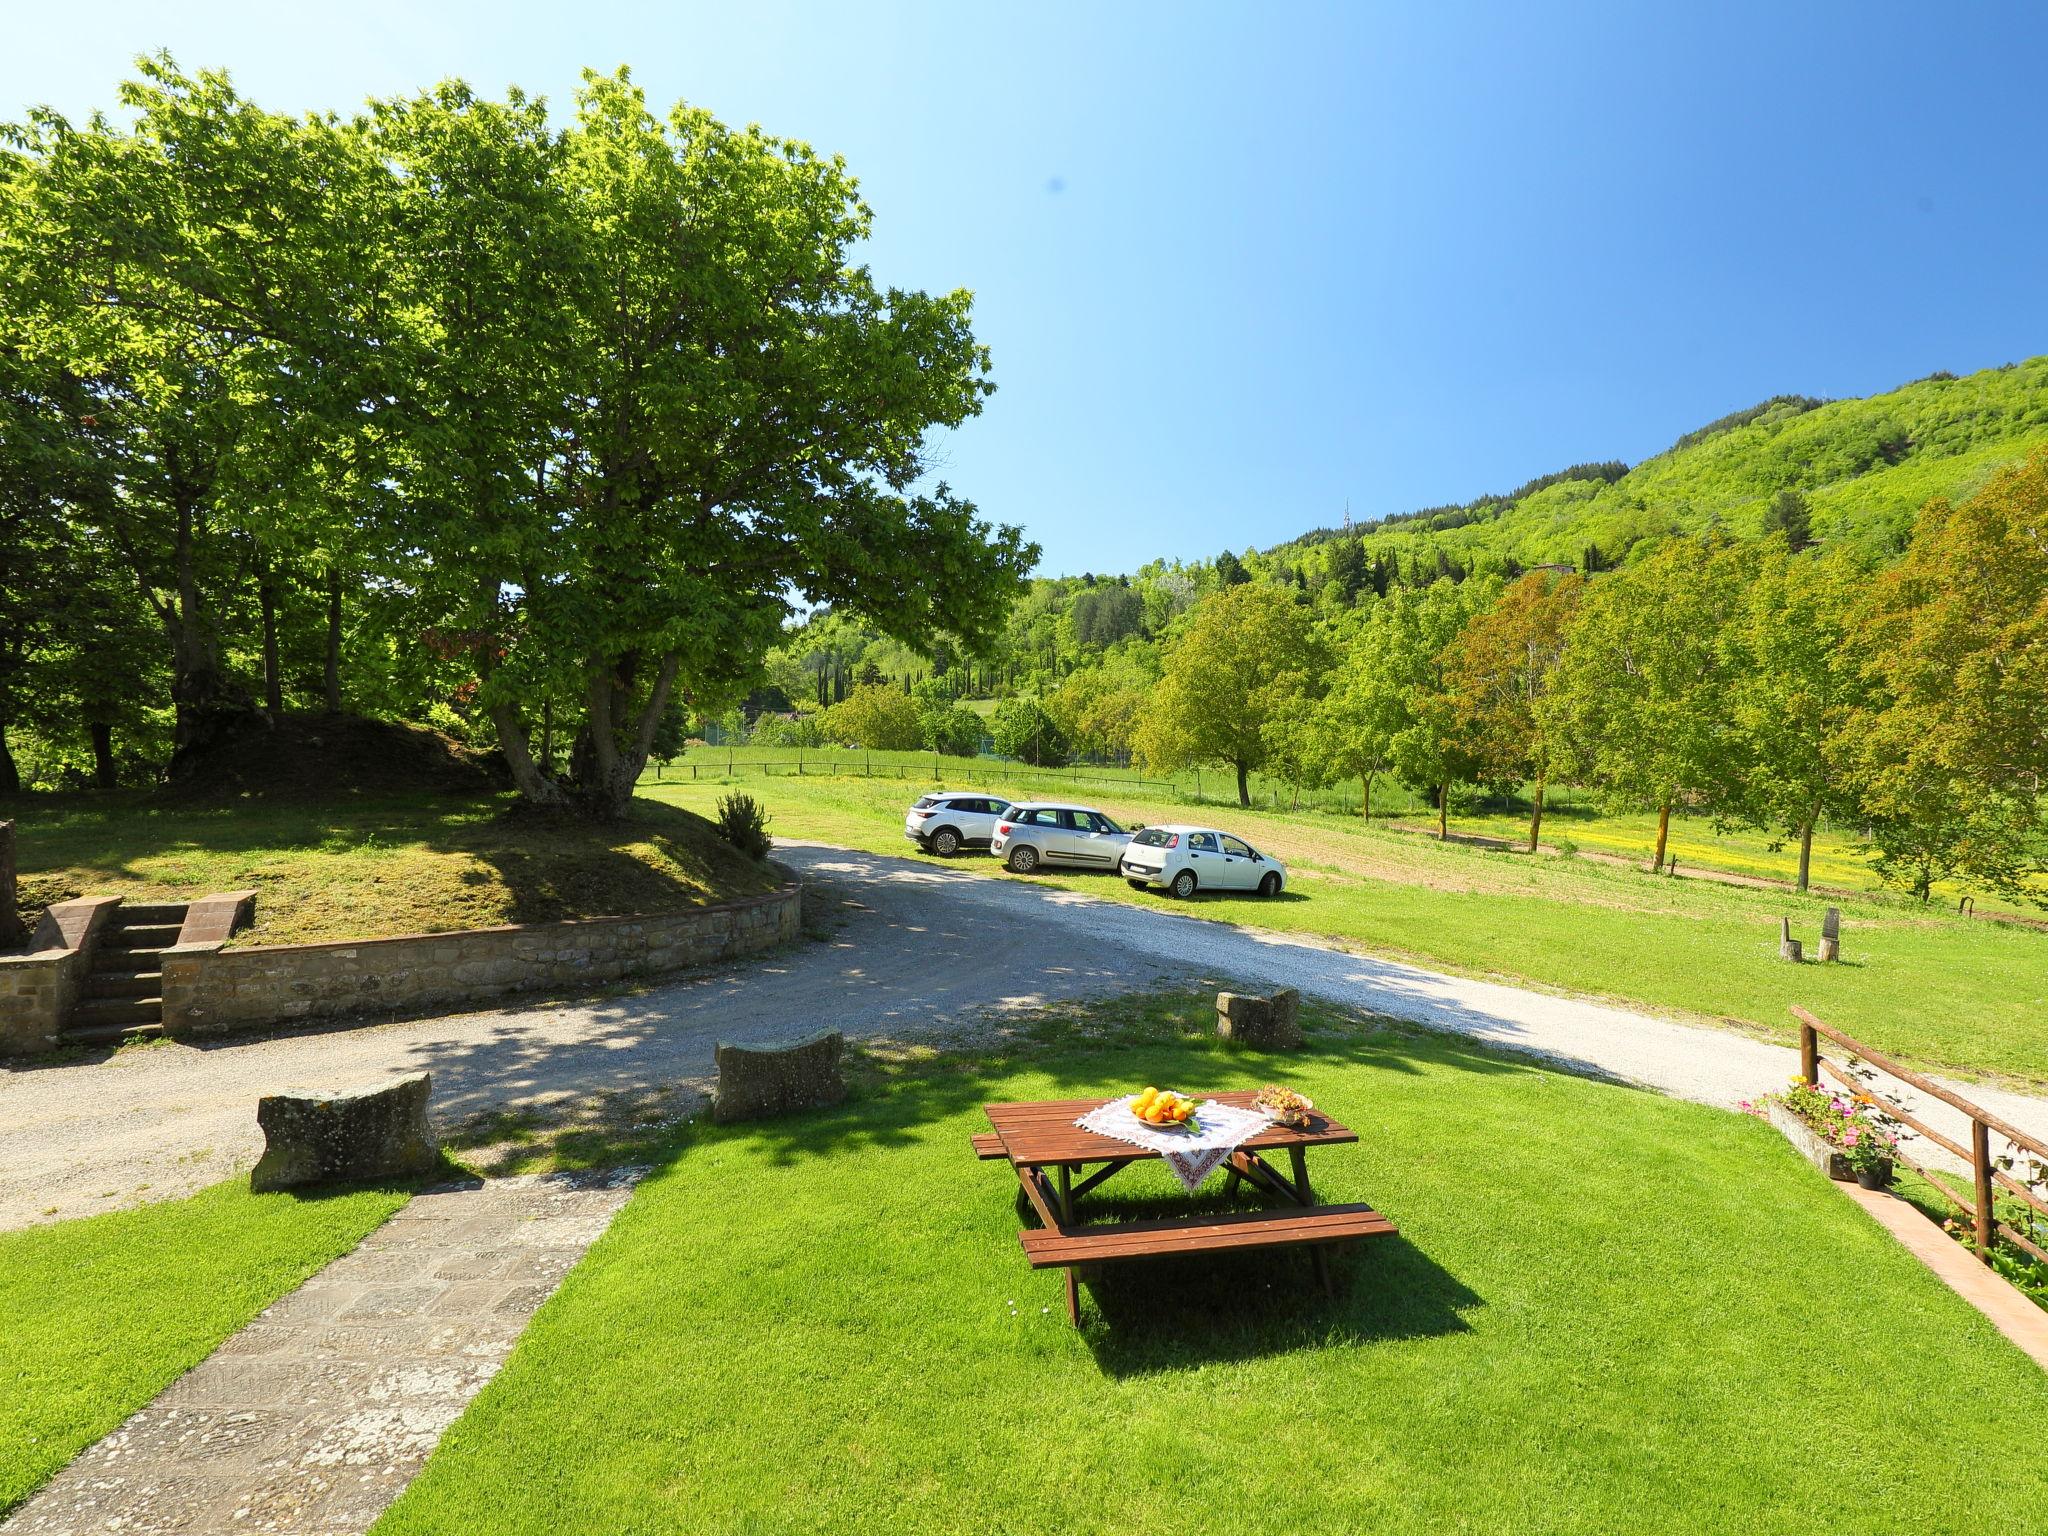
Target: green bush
876,717
743,822
953,729
1023,730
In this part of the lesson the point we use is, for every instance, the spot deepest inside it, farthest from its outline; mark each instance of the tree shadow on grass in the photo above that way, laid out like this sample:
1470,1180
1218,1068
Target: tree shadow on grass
1169,1314
548,867
897,1095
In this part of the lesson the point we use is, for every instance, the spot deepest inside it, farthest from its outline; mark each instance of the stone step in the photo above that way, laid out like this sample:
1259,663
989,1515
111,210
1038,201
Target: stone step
110,1034
116,1011
152,912
143,936
125,983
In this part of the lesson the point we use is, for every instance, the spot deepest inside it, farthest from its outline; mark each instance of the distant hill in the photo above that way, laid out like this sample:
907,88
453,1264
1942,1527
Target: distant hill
1865,467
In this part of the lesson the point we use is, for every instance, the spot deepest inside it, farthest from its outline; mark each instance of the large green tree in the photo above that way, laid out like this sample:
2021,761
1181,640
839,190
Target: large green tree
1248,653
201,273
1952,744
648,394
1436,750
1641,695
1793,687
1498,673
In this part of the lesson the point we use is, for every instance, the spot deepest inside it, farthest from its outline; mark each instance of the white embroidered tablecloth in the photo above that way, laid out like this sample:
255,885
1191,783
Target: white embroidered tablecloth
1194,1153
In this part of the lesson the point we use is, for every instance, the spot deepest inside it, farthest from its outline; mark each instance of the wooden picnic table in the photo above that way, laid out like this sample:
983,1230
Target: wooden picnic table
1047,1150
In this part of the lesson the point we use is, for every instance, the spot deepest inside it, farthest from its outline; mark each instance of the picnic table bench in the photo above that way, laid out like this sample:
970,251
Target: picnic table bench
1047,1149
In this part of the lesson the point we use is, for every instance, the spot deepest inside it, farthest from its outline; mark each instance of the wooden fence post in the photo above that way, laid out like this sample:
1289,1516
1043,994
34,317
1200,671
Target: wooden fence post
1809,1054
1980,1165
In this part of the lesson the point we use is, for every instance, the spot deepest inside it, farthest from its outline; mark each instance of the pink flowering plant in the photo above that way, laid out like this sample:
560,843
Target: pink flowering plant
1851,1122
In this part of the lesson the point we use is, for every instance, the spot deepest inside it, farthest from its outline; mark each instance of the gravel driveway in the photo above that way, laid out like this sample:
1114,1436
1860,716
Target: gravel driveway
912,949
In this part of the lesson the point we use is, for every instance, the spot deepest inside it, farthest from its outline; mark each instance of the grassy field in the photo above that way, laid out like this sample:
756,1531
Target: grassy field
1606,1311
1571,816
406,864
103,1313
1937,989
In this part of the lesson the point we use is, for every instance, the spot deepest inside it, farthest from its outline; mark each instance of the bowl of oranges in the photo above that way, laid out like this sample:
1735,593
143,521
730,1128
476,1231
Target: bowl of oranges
1165,1111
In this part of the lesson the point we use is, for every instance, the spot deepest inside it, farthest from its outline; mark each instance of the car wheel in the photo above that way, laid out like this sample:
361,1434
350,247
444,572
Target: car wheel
1270,886
945,842
1184,884
1023,859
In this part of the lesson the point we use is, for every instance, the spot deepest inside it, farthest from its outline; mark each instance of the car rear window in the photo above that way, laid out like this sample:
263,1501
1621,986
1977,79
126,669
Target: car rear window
925,802
1153,837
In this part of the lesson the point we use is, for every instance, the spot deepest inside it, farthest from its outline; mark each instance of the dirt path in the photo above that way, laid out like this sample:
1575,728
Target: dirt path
914,949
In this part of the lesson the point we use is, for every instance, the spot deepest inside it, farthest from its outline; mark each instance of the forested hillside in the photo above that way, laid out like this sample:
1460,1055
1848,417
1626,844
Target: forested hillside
1863,468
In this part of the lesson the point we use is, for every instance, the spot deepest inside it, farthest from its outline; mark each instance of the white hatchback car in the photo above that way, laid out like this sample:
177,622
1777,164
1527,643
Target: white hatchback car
945,822
1184,860
1037,833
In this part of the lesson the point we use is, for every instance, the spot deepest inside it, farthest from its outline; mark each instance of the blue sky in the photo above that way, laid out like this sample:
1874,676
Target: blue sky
1240,265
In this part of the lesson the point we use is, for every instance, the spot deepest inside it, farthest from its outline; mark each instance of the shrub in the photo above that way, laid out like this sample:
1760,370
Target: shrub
1023,730
877,717
952,729
743,822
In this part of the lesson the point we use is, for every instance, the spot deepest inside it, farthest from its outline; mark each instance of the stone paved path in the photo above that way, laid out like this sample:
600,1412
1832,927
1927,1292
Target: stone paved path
314,1417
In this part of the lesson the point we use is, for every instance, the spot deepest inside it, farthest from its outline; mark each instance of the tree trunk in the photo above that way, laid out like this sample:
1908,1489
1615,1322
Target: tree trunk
606,770
1805,853
102,733
532,784
266,600
547,735
1443,813
1365,805
1663,834
1536,815
210,709
1244,789
332,679
10,775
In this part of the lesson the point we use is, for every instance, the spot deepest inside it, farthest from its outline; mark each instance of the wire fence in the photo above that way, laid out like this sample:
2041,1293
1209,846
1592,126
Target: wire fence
1195,787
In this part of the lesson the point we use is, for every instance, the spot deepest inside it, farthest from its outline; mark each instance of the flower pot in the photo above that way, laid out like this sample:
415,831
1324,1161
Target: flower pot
1828,1159
1879,1177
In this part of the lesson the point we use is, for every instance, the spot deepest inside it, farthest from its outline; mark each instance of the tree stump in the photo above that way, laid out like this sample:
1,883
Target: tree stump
759,1081
1789,948
368,1133
1268,1023
1831,936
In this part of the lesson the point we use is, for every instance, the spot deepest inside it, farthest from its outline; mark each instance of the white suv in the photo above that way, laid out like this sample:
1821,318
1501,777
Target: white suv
1038,833
953,819
1184,860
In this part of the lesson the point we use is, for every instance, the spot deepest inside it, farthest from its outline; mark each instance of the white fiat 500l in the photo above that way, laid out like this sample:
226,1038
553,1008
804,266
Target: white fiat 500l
950,820
1032,835
1184,860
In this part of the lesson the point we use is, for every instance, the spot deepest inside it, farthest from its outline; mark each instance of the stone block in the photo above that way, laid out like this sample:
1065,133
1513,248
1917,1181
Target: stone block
758,1081
1268,1023
368,1133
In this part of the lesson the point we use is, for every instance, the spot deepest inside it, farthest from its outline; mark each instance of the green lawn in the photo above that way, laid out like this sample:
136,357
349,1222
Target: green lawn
1971,997
354,868
1607,1311
103,1313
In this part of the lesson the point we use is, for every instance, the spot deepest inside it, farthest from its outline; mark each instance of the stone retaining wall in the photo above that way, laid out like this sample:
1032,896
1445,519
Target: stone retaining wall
38,985
211,990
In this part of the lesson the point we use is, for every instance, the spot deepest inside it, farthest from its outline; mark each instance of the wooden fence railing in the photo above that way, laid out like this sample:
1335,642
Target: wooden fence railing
1986,1176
